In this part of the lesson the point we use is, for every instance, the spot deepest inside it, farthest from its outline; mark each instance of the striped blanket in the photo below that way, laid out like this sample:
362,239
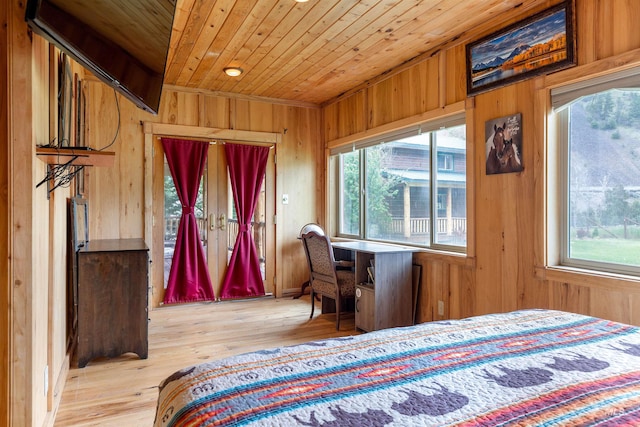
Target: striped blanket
530,367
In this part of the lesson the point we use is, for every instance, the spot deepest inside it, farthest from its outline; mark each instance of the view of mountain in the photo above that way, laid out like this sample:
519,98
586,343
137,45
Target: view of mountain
498,60
496,51
618,160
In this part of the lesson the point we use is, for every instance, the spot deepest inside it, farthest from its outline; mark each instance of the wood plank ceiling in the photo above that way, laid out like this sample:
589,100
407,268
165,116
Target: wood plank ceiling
313,52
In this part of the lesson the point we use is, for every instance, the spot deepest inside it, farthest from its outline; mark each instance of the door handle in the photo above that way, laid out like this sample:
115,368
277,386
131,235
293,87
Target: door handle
220,222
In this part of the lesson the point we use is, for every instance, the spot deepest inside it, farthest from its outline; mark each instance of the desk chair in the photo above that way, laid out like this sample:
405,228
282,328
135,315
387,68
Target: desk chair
325,279
305,229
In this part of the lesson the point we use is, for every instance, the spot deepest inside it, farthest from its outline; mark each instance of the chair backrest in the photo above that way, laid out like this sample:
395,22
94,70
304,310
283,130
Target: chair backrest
311,227
320,258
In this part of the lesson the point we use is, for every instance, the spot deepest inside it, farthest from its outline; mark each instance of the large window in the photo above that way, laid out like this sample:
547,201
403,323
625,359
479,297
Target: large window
409,188
599,140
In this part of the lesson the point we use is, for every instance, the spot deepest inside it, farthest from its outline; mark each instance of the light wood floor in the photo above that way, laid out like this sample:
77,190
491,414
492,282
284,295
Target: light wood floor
123,391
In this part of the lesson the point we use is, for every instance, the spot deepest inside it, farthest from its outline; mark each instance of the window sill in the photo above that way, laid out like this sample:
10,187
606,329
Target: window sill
455,258
591,278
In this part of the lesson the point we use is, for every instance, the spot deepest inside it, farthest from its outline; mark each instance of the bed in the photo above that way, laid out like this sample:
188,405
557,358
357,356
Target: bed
529,367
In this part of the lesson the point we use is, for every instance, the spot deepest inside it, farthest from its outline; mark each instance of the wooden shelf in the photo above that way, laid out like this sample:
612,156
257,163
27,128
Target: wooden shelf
76,157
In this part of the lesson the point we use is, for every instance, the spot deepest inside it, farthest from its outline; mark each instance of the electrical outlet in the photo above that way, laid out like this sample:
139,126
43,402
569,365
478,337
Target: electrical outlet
285,199
440,308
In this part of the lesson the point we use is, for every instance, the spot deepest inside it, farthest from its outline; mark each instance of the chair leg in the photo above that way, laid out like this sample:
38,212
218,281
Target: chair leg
313,303
303,287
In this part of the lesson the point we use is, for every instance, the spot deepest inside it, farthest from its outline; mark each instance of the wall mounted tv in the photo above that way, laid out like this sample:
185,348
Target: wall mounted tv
124,43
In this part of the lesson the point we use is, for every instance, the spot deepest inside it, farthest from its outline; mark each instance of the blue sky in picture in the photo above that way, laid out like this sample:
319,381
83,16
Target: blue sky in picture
538,31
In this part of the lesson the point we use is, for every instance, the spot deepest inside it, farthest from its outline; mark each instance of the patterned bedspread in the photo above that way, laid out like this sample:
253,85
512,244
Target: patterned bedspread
531,367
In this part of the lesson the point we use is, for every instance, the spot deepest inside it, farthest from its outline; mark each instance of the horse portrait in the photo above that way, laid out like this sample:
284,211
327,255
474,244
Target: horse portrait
502,153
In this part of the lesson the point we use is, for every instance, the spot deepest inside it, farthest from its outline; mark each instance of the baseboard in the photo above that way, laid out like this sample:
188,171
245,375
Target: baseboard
50,419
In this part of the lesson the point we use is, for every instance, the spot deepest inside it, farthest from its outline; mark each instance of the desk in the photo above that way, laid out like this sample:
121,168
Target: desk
387,300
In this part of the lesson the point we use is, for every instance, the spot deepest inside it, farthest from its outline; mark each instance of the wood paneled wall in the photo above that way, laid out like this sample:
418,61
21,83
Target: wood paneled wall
6,292
33,257
117,195
506,267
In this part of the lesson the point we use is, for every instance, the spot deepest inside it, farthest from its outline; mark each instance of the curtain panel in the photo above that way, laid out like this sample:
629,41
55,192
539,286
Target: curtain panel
247,166
189,278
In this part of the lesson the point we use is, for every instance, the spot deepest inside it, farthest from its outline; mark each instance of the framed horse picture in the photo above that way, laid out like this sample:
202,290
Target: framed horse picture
503,146
539,44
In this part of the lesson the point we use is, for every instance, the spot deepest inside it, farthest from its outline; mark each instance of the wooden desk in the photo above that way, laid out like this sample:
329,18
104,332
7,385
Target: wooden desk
388,300
112,299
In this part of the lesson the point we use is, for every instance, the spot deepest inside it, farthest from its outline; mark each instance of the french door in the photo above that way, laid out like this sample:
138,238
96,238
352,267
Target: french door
217,221
215,186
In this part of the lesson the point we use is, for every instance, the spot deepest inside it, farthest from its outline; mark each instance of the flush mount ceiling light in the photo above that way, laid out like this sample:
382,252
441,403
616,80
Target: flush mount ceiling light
302,1
233,71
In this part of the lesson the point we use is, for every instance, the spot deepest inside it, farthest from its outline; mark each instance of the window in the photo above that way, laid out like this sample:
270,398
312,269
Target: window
599,137
445,161
389,189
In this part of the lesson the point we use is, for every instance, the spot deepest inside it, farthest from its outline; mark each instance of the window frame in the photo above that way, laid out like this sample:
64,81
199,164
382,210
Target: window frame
561,99
431,128
340,192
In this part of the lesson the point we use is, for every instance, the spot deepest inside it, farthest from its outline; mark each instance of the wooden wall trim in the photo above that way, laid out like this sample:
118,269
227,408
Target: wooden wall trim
156,161
57,392
148,193
545,225
231,95
449,110
471,180
444,257
595,69
148,211
164,129
20,157
6,293
593,279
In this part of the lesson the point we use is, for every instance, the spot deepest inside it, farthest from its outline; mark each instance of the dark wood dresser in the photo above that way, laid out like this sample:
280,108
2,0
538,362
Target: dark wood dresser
112,299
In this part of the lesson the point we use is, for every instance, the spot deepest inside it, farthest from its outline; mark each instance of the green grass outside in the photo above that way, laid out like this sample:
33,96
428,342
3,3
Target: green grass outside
619,251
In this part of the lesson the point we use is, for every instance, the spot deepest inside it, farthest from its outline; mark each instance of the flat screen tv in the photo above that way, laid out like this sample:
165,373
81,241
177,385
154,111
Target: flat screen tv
124,43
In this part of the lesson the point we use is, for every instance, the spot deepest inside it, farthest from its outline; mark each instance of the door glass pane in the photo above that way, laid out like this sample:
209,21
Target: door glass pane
172,214
397,190
450,182
258,227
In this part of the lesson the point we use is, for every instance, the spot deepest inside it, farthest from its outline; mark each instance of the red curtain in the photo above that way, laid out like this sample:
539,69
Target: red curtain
247,166
189,276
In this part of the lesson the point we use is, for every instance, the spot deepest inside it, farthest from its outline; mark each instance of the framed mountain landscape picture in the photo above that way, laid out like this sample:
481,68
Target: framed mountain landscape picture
539,44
